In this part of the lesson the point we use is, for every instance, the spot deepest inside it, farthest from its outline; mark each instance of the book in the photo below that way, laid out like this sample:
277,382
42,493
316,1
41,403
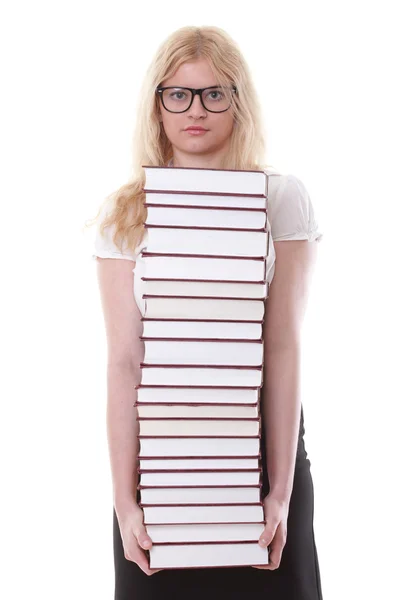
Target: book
230,554
201,513
218,200
192,215
230,411
202,464
202,395
217,242
213,308
204,291
217,289
215,181
199,495
198,329
216,532
214,268
200,478
189,447
184,375
203,351
171,427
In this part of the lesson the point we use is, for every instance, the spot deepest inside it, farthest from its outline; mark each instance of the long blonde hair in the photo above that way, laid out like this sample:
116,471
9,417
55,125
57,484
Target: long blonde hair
150,143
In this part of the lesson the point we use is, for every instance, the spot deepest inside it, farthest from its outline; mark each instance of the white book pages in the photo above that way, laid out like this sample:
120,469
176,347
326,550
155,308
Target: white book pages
171,427
237,513
169,464
203,308
187,411
204,217
213,181
203,271
205,288
200,478
221,532
199,352
201,376
207,200
207,555
200,267
202,329
207,241
198,395
199,495
192,447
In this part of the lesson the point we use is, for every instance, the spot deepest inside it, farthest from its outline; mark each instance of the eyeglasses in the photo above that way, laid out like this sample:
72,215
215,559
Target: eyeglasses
179,99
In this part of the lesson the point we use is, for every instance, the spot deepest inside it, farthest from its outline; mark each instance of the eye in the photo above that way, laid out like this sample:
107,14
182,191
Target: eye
215,95
178,95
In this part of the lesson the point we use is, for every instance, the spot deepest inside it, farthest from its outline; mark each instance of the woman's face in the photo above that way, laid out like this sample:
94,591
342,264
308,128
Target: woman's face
208,146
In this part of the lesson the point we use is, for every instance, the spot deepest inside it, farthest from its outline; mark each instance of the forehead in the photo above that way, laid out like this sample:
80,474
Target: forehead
195,74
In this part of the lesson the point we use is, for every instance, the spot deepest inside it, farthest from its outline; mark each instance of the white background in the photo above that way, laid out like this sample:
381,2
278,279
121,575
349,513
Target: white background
327,75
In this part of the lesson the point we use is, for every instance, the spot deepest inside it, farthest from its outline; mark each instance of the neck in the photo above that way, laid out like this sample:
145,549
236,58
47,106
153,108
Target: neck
197,161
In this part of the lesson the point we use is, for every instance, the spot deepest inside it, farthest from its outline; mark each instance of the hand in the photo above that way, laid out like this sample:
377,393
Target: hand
135,539
275,531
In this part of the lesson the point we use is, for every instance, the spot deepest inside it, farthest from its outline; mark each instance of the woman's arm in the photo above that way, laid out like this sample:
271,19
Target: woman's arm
125,351
280,394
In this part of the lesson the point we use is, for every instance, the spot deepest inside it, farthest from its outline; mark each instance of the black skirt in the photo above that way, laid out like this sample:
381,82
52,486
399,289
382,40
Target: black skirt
296,578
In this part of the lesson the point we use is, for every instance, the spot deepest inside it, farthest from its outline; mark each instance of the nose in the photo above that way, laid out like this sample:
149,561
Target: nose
197,109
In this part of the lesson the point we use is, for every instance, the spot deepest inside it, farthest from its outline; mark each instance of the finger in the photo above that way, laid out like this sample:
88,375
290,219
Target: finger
144,566
142,561
276,555
276,548
137,554
267,535
143,539
278,545
269,567
266,566
149,571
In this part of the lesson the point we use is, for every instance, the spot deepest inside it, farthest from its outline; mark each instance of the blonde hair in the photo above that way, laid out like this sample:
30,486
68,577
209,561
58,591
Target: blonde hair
150,143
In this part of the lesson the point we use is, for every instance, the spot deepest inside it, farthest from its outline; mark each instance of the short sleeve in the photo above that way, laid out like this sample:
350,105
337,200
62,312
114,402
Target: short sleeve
104,246
291,212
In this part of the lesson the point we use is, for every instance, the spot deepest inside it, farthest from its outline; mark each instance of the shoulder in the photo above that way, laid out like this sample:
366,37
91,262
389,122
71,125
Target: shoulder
104,245
290,210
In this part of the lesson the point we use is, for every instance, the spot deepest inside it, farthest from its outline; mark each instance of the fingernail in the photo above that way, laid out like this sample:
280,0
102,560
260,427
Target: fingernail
146,543
263,542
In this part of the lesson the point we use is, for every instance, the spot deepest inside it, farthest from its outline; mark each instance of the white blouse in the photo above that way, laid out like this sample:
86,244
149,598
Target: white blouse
290,216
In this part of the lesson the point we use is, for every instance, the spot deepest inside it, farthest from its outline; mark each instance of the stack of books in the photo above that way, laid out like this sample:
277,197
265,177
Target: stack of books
198,403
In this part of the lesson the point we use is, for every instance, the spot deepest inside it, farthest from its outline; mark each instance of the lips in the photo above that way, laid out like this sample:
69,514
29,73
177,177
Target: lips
195,129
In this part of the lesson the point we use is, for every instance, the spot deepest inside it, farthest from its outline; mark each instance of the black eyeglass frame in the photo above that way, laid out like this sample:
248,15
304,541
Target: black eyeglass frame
194,92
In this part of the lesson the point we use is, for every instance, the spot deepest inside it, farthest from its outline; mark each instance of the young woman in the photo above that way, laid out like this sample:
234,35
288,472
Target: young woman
197,58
